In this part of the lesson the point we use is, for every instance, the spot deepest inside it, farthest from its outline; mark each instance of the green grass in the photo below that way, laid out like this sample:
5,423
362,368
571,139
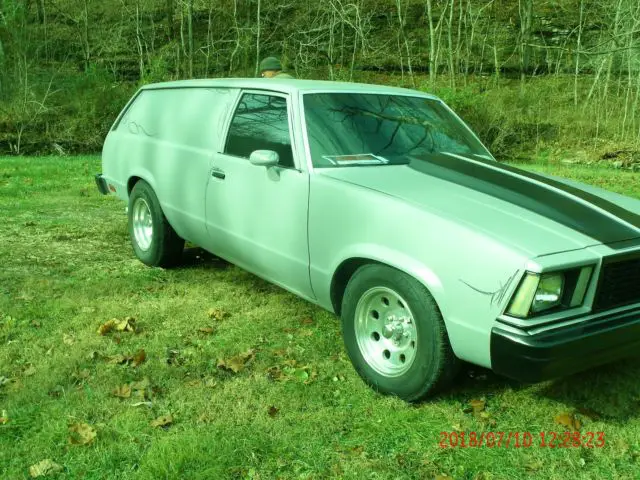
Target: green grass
66,267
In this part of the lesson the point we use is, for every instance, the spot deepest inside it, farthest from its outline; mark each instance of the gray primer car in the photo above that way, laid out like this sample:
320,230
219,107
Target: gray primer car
379,204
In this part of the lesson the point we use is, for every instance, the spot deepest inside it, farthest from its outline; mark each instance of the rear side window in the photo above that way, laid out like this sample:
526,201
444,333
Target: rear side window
189,117
260,122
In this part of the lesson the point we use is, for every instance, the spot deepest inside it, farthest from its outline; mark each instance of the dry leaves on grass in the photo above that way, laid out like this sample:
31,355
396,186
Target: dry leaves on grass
290,371
81,434
4,417
44,468
206,330
134,360
217,314
140,389
568,420
307,321
162,421
237,363
273,411
138,358
477,408
115,325
123,391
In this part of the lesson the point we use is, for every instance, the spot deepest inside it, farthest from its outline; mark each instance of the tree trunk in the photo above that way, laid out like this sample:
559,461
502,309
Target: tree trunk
170,11
578,47
258,40
525,10
432,46
190,35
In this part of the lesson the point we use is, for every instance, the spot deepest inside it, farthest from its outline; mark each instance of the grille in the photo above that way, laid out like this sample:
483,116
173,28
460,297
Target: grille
619,284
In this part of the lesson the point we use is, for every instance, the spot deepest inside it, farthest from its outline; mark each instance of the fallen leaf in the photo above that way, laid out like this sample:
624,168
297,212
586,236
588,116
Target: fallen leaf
534,465
211,383
29,371
123,391
307,321
3,380
477,406
107,326
173,357
218,314
81,376
4,417
443,477
81,434
140,384
568,420
126,325
162,421
118,359
193,383
238,363
146,404
43,468
206,330
36,324
487,418
274,373
68,339
273,411
138,358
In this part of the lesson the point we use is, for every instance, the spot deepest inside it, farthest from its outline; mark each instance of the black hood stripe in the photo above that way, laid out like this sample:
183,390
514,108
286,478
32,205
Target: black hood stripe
491,178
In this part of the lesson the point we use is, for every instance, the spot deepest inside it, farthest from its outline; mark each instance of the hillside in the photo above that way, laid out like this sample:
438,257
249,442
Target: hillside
68,66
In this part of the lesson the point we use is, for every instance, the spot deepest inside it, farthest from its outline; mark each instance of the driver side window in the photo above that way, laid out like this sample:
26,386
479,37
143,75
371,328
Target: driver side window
260,122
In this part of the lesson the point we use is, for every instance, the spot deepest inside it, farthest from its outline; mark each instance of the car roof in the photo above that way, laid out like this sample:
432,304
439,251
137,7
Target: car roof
288,85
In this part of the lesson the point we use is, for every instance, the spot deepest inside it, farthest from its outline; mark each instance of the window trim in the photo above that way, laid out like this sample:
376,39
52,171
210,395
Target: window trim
290,114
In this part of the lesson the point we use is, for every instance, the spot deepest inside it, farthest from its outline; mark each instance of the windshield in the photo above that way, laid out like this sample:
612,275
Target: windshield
354,129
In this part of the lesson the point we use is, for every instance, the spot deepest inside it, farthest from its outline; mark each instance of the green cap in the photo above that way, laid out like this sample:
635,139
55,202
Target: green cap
270,63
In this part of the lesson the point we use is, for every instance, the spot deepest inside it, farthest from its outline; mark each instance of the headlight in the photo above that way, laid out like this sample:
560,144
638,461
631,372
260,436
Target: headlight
549,292
538,293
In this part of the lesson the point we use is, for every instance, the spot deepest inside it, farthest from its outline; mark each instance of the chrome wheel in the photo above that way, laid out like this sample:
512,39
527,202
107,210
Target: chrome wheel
142,223
385,331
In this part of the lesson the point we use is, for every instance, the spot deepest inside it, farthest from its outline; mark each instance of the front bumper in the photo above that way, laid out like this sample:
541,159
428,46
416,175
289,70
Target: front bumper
534,358
101,184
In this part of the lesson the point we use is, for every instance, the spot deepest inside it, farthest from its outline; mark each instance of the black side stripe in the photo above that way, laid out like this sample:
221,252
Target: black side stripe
490,178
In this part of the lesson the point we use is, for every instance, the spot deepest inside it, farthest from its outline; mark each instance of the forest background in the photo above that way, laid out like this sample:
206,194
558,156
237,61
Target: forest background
555,79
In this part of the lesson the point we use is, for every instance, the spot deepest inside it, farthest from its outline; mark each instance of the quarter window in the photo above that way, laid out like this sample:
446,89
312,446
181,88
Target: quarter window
260,122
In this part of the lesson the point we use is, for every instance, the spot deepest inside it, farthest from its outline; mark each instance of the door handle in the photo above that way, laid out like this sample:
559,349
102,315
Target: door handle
216,172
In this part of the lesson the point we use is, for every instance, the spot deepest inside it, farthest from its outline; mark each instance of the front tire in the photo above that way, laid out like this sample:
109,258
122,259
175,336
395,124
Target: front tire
395,335
154,241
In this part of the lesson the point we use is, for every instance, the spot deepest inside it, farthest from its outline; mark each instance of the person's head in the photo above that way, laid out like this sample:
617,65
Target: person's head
269,67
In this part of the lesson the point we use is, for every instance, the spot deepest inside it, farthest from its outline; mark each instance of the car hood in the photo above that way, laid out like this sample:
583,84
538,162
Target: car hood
536,214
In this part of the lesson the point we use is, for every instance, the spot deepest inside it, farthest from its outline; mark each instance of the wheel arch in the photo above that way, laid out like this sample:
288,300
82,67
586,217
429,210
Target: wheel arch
347,268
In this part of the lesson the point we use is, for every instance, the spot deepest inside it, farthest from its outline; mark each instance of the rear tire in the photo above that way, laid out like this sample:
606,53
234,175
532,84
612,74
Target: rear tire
154,241
395,335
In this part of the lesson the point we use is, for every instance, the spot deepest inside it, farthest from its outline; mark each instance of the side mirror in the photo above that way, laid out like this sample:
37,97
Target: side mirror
264,158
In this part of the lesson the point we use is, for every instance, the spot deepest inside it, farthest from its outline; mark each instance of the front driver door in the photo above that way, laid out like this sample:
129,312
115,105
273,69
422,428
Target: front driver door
257,216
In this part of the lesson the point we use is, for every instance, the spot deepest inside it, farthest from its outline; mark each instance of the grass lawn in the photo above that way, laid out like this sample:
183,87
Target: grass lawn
295,408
